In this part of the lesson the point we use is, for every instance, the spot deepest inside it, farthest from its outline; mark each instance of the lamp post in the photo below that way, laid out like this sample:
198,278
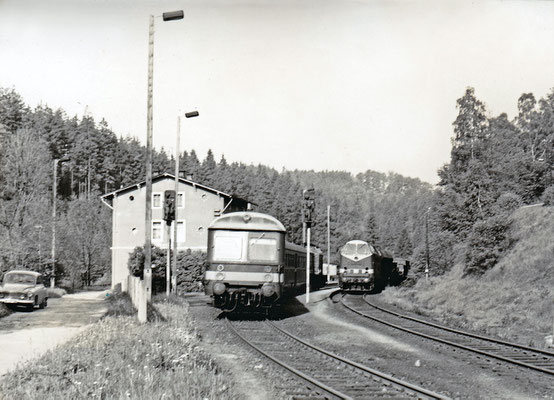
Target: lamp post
191,114
54,189
147,276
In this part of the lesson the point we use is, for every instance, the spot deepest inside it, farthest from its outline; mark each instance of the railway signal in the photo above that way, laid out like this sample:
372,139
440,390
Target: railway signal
308,206
169,206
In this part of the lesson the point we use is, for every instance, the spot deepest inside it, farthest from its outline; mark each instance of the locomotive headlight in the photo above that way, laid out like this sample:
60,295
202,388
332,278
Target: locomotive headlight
220,276
268,277
219,288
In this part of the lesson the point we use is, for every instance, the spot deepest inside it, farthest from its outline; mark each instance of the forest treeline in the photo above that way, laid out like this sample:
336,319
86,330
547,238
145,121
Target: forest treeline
496,164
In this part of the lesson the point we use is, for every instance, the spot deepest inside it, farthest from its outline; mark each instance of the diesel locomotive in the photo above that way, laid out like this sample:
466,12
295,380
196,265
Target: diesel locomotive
367,268
251,265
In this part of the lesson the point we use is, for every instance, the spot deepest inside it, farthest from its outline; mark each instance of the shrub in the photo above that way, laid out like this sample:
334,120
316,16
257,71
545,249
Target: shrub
190,268
548,196
508,202
487,242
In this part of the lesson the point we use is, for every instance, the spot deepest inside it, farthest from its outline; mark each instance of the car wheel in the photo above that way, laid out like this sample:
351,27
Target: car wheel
43,304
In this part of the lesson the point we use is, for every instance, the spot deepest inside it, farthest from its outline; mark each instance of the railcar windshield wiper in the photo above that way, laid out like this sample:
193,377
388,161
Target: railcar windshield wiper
255,240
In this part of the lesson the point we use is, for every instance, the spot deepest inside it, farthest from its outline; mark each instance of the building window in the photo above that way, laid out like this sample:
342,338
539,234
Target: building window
156,200
157,231
181,232
181,200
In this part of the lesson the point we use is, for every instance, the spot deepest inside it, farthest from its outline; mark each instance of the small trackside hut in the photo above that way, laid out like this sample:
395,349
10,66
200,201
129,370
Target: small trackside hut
250,265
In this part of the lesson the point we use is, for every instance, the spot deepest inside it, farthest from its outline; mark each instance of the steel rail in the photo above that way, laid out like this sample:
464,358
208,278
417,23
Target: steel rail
307,378
381,375
448,342
473,335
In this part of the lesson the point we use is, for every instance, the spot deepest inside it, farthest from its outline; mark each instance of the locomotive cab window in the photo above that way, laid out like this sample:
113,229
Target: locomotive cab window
262,249
349,249
228,246
363,249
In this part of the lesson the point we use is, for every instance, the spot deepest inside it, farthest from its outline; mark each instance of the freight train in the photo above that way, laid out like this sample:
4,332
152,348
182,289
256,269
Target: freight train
251,265
367,268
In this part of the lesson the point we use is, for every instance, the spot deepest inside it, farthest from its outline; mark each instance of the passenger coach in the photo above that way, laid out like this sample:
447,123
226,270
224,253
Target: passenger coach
251,265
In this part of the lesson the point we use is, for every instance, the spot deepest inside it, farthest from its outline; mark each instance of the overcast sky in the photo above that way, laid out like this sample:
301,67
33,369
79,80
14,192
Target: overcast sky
307,84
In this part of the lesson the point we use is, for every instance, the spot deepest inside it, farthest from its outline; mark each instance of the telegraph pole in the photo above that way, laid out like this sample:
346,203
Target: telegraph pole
328,243
427,243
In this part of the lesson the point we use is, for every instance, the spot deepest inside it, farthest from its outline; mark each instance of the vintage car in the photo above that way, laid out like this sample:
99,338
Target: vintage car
23,288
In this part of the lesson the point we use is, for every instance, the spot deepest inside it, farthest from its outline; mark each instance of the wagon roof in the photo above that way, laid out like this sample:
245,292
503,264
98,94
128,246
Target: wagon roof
247,220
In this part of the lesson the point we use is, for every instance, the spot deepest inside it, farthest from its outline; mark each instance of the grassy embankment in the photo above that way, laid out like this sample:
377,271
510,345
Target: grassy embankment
514,300
118,358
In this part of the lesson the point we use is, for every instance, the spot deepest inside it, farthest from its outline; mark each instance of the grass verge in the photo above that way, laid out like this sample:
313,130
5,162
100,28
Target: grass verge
119,358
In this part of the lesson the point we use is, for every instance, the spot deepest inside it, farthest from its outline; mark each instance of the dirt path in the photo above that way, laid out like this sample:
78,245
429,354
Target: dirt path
26,335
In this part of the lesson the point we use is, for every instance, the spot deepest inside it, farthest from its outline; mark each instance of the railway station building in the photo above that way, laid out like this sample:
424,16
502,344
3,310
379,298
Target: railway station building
196,206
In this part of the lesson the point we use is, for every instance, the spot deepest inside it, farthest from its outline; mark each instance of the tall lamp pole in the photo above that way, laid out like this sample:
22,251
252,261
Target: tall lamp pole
54,194
147,275
191,114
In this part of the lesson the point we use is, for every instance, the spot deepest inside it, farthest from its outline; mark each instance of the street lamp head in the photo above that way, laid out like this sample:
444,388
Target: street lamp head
173,15
192,114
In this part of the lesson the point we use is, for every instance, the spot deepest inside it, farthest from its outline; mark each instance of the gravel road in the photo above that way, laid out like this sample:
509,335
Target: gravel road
26,335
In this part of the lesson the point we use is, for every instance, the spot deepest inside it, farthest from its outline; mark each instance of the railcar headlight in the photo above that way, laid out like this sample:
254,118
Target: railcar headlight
220,276
268,290
220,267
268,277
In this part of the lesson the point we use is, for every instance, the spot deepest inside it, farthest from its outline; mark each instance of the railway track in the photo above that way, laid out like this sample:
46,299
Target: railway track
523,356
328,376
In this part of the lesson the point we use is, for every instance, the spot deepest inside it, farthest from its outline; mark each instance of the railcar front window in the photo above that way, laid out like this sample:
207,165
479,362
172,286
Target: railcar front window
262,249
228,247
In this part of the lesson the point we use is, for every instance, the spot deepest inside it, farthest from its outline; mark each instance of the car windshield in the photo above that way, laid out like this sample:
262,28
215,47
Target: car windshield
19,278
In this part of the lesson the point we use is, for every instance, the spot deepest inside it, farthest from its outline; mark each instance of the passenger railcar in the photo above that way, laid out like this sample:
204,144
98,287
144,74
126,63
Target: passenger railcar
251,265
367,268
